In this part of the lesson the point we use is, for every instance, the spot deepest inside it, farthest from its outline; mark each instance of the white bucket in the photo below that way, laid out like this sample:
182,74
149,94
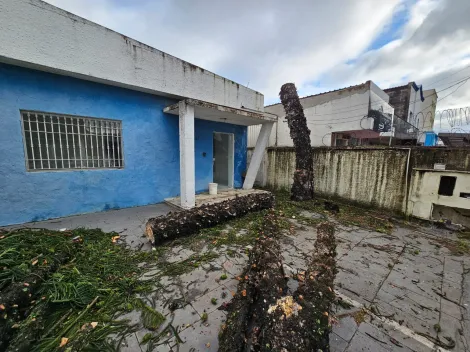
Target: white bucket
213,188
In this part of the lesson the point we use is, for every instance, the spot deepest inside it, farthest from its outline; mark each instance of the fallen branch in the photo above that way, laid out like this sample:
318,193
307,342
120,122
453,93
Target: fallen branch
438,342
376,339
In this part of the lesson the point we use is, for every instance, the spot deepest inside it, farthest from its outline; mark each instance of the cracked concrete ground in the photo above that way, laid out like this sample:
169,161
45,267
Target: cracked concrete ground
405,291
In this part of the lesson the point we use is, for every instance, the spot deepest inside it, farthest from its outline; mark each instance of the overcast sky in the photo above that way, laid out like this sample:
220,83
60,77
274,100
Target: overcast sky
319,45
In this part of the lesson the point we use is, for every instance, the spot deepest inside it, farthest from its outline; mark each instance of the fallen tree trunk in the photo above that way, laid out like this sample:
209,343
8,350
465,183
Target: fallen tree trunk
261,284
302,187
302,322
188,222
262,317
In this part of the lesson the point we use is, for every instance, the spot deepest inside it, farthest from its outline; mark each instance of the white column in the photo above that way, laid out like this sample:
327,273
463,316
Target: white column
187,171
261,144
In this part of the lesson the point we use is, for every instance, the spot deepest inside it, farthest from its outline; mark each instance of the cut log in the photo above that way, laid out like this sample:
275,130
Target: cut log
261,284
262,317
302,322
188,222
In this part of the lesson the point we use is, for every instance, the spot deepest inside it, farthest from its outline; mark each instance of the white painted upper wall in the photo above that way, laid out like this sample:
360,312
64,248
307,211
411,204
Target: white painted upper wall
382,96
336,111
424,112
38,35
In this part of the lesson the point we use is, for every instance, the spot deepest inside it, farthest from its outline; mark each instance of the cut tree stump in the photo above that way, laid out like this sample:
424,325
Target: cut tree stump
302,187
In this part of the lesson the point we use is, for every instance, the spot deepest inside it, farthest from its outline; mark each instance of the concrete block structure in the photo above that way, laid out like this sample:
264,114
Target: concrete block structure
440,194
87,119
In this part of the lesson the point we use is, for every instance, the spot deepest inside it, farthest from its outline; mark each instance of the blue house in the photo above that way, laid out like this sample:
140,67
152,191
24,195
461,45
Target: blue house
92,120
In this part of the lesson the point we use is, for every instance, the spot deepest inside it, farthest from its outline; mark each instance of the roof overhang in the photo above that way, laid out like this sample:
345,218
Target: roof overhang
213,112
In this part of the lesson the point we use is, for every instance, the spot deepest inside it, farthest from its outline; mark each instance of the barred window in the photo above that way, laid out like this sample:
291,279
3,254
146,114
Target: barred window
58,142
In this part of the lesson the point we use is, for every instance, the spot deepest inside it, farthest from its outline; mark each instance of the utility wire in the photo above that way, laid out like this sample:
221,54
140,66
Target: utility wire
453,85
347,119
442,79
446,95
441,90
341,110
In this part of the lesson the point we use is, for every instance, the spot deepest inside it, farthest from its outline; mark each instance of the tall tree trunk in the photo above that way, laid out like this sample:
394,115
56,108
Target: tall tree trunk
302,188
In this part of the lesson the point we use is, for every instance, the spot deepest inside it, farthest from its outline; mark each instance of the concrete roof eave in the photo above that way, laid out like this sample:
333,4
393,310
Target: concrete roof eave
219,113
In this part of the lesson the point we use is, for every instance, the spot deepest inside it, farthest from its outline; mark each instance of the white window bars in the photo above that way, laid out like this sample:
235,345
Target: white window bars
63,142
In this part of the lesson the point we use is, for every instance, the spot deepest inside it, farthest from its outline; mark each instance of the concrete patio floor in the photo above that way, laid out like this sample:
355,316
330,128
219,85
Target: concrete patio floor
405,289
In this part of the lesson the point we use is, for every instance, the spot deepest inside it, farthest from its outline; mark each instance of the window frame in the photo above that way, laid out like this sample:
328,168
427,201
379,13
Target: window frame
68,169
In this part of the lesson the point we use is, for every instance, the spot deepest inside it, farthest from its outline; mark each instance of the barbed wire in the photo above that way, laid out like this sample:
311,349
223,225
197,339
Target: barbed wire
454,117
410,132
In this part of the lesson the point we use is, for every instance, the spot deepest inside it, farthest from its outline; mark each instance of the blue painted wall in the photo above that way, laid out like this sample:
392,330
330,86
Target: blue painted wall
151,149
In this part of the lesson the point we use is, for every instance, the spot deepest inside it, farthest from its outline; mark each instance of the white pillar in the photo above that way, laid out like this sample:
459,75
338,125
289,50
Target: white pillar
187,171
261,144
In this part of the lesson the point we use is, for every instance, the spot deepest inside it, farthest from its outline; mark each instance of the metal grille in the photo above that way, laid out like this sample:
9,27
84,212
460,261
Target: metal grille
58,142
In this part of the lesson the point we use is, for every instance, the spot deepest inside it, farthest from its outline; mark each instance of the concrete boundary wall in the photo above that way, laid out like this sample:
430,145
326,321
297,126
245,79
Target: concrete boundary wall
378,177
373,177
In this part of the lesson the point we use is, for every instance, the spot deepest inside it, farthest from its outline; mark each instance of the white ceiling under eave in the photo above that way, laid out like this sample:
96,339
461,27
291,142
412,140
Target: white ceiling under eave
219,113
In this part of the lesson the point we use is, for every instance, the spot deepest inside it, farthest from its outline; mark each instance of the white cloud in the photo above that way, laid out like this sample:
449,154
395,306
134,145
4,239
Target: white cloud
434,47
319,45
264,42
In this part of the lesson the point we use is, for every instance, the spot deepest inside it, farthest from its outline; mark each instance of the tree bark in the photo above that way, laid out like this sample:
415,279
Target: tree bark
302,188
261,284
188,222
264,316
308,327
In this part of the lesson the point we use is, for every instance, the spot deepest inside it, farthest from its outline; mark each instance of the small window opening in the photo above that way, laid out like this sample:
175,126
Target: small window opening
447,185
465,195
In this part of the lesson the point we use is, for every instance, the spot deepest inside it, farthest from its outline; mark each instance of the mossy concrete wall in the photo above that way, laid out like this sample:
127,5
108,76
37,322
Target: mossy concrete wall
457,159
373,177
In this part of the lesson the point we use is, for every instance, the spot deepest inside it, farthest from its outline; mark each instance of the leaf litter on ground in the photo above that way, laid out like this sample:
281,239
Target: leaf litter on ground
69,288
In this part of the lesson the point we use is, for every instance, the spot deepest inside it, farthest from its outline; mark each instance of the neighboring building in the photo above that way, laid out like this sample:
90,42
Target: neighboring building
360,115
352,116
87,119
417,107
